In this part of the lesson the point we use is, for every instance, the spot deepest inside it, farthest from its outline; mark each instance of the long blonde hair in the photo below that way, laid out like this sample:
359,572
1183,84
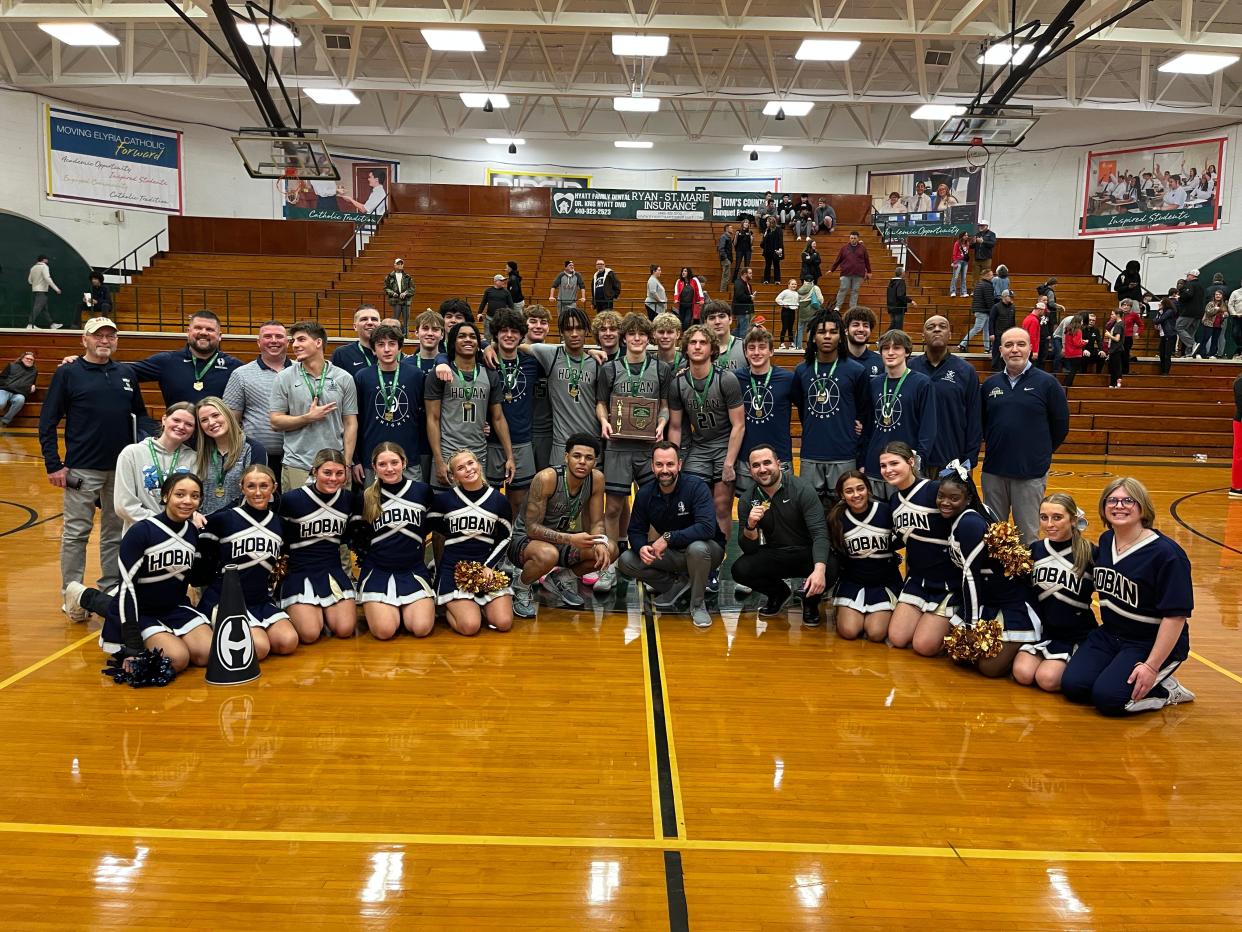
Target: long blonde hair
1079,545
233,432
371,496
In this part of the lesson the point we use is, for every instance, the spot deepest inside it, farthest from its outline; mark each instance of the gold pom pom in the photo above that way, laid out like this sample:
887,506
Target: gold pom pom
278,571
1006,548
477,579
968,643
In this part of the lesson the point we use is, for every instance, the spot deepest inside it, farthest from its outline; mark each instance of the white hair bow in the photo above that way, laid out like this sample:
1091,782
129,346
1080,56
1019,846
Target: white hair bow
960,467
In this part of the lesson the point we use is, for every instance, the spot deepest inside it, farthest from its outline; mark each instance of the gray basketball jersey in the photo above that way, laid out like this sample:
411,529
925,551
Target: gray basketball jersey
615,379
733,356
705,406
571,392
464,405
563,512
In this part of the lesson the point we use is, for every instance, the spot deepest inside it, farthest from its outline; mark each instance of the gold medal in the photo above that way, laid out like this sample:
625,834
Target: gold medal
219,491
508,396
886,420
756,405
573,392
198,386
388,415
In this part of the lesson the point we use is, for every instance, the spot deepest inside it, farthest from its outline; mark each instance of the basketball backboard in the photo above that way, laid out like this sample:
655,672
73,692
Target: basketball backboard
994,127
285,153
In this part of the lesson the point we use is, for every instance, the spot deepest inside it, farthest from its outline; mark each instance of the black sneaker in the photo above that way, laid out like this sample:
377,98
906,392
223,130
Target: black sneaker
775,606
713,582
1235,493
810,613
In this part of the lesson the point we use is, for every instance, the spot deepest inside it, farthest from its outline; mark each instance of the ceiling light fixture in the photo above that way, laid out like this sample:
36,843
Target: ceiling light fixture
633,144
453,40
642,46
505,141
636,104
331,96
273,35
756,147
827,49
79,34
937,112
488,102
1198,63
791,108
1000,53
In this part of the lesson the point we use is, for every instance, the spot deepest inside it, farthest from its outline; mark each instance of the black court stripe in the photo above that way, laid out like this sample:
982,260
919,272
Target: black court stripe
32,517
1191,528
674,881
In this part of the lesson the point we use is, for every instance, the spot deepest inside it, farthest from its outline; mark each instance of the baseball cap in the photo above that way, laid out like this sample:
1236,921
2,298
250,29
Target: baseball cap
982,222
1194,272
398,262
1006,291
98,323
498,278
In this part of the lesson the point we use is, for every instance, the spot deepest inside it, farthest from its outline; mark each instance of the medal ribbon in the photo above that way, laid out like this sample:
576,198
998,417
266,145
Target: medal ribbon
756,400
888,400
390,397
155,461
467,387
635,382
199,376
509,373
316,391
702,395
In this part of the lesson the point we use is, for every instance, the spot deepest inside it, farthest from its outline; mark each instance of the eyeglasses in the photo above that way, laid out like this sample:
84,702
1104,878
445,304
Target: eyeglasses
1126,502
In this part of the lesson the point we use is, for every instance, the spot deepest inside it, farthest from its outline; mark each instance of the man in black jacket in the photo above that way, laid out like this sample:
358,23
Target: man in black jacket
495,297
981,301
982,244
724,249
100,402
1190,302
1001,317
898,300
743,303
16,385
605,287
782,533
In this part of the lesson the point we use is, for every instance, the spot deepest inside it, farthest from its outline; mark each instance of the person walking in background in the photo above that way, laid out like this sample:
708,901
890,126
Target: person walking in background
773,247
1115,348
724,251
959,266
689,297
1190,302
981,302
605,287
1235,321
1058,341
1000,318
982,244
788,302
515,286
855,267
1000,280
1129,283
1165,324
1072,349
898,300
17,384
1132,321
743,243
810,303
657,298
811,267
399,289
98,301
494,298
743,302
40,281
1214,313
568,289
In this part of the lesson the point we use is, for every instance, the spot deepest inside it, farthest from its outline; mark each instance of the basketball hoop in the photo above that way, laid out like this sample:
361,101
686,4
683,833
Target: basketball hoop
976,156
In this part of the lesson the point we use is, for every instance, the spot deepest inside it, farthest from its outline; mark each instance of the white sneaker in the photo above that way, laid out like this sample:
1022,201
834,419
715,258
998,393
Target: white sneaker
523,601
1177,692
73,603
741,591
607,580
57,326
30,326
109,647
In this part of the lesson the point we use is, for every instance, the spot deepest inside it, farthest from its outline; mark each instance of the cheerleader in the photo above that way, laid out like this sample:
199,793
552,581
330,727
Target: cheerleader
986,593
1063,587
862,534
224,452
394,588
1146,597
316,590
921,616
151,609
142,467
476,523
248,536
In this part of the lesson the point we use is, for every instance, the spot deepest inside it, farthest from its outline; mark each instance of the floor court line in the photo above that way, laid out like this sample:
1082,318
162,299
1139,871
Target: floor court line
674,774
946,852
1223,671
652,755
50,658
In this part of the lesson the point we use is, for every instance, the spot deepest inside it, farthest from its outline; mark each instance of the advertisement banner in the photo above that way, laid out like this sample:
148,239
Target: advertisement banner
1154,189
616,204
926,201
114,163
314,213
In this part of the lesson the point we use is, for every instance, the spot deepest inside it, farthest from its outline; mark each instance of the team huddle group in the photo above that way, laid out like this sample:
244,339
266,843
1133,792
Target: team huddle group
495,449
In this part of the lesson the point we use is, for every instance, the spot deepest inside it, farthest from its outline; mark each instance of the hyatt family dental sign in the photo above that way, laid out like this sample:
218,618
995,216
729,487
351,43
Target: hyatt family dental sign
112,163
613,204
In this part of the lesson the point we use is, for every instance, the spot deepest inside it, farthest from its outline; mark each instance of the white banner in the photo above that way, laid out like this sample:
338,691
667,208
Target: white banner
96,160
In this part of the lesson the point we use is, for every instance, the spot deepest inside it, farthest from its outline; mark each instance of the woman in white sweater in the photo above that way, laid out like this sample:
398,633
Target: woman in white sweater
142,467
788,301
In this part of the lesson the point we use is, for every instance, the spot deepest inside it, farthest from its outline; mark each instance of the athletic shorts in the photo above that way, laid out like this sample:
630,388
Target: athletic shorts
625,469
822,475
566,555
706,462
543,450
523,463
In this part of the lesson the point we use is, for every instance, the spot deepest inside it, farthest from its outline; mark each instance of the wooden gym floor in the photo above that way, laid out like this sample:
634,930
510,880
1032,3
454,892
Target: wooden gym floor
594,771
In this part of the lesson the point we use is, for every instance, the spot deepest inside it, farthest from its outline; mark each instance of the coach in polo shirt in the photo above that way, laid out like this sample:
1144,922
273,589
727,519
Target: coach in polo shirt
314,404
1025,419
249,392
195,372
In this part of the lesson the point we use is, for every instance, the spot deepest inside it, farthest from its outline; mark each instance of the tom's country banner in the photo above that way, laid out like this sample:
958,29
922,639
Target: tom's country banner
113,163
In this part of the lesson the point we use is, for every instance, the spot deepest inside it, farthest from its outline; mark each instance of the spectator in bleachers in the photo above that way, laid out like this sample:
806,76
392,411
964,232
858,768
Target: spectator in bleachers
810,303
1001,317
98,301
567,290
769,210
1115,347
787,302
1166,328
494,298
1132,322
812,263
1129,283
1214,314
898,299
1072,349
1093,346
825,219
855,267
1058,340
1000,281
399,289
724,252
743,245
1033,325
689,297
983,243
358,355
17,384
773,248
657,298
1235,321
1190,302
788,213
249,391
514,284
981,301
605,287
804,224
743,303
959,265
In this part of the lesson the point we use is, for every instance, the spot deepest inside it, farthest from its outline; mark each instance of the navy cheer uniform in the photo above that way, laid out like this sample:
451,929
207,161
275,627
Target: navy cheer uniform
1138,589
1063,600
251,540
394,569
986,592
931,577
476,526
870,578
313,529
157,555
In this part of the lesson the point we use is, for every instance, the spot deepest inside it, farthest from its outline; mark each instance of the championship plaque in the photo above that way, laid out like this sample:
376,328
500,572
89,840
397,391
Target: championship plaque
635,418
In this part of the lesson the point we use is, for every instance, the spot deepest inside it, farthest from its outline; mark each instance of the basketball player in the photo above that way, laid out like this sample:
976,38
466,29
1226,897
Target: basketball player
767,402
390,403
667,333
518,374
718,317
537,325
904,408
572,373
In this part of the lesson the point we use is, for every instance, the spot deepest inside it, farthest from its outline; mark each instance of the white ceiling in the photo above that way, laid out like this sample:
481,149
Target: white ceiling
726,59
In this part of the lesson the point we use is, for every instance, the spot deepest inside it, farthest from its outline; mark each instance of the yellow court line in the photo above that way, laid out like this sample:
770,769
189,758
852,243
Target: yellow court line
653,760
51,658
644,844
1215,666
674,774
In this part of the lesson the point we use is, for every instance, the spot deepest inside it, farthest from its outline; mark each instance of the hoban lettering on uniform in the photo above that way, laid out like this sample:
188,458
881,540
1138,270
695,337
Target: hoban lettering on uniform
1055,577
865,544
173,558
471,523
322,527
1109,582
904,520
267,545
395,514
